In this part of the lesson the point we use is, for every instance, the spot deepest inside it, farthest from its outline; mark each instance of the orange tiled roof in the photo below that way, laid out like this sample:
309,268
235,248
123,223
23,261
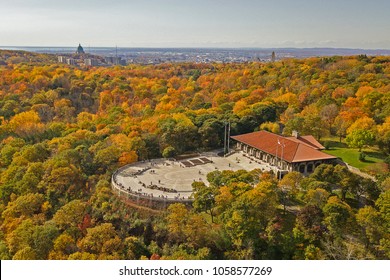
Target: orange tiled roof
294,150
308,140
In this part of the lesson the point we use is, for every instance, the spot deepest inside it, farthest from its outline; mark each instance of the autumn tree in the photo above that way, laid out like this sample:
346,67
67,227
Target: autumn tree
328,114
103,241
26,124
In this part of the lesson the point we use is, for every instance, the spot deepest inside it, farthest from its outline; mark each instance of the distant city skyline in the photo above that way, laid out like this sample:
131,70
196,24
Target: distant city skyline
200,24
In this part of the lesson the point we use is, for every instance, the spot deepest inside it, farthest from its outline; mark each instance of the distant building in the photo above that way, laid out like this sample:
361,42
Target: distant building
273,57
80,50
70,61
115,60
296,153
62,59
91,62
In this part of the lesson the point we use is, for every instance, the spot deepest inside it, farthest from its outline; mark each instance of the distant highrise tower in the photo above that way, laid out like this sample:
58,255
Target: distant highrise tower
70,61
80,49
273,57
62,59
91,62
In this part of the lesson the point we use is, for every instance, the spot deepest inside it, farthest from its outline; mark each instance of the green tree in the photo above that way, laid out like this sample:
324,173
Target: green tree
360,138
169,152
43,238
337,216
317,197
242,220
204,198
371,222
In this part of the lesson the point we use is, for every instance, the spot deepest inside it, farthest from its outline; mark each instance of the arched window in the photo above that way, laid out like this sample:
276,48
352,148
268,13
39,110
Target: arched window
302,168
310,168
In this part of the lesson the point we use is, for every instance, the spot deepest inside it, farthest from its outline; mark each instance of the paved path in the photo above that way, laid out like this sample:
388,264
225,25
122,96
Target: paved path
360,173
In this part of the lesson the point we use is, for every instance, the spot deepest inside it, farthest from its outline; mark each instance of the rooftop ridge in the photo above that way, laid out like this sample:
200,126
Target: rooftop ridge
304,141
271,143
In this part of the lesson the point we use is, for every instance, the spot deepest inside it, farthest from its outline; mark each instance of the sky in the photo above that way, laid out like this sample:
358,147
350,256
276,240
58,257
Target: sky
196,23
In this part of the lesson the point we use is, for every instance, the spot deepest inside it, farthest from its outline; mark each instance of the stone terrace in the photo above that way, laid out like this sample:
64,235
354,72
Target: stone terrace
162,179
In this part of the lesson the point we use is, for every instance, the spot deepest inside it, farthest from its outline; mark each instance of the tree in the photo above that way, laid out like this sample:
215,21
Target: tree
21,237
317,197
341,127
242,221
264,112
291,181
101,240
107,156
309,221
4,252
204,198
134,248
24,206
211,133
337,215
169,152
363,123
271,127
27,253
328,114
26,124
383,136
360,138
43,238
62,183
70,215
82,256
176,220
197,231
372,224
383,205
63,246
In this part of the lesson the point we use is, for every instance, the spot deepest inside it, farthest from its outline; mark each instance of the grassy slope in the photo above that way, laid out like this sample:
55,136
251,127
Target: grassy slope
374,160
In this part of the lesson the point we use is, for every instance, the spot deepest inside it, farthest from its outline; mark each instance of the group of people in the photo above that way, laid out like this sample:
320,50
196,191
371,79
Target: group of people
164,189
139,172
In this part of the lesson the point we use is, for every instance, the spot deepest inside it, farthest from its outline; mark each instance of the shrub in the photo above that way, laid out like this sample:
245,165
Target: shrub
169,152
362,156
327,145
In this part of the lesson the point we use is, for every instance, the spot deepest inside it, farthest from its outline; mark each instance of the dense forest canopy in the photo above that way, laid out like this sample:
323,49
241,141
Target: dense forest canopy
65,129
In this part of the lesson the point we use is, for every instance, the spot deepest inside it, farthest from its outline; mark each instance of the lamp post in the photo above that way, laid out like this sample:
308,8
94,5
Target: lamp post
226,140
281,158
276,159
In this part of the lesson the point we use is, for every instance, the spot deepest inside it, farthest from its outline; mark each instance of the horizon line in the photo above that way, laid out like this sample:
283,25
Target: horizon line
197,47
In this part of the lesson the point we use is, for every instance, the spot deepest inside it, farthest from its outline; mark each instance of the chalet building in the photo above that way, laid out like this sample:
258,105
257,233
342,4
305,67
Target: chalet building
295,153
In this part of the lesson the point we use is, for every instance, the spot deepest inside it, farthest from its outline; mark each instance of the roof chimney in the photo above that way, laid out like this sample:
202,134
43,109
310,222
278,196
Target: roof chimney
295,133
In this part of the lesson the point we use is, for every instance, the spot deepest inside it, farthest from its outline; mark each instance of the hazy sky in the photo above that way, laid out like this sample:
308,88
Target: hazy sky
196,23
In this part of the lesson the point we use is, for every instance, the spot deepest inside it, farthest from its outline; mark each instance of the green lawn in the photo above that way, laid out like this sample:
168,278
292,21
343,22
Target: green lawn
374,163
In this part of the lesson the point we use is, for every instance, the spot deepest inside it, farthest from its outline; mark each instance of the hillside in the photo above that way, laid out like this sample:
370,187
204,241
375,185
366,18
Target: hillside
64,130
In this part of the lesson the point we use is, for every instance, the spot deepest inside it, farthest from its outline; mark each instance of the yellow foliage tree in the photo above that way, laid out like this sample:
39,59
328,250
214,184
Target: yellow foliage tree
26,124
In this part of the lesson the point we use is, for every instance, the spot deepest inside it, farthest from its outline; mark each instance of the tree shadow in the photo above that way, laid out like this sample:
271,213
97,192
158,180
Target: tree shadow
377,155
